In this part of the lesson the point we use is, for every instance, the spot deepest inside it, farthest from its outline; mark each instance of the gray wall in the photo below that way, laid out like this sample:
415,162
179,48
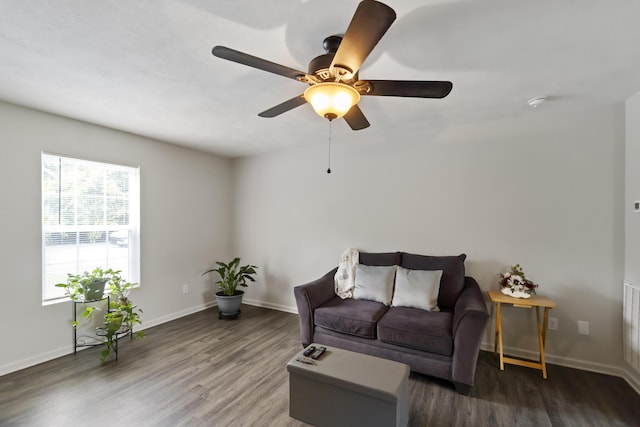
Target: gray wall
545,190
185,215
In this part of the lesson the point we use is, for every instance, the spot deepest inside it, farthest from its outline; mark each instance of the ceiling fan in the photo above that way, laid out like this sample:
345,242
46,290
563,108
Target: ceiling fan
334,86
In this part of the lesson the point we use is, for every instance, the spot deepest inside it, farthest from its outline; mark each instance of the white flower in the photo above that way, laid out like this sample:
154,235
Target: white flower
516,282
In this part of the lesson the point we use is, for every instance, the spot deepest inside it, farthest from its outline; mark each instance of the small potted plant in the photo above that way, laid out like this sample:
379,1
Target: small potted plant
231,275
120,288
122,312
112,326
88,286
120,316
130,317
118,321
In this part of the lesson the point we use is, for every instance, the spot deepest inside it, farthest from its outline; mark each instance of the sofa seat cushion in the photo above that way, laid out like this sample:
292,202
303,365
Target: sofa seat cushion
350,316
418,329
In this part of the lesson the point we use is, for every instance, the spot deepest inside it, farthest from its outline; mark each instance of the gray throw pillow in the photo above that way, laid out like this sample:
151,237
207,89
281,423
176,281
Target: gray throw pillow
417,289
374,283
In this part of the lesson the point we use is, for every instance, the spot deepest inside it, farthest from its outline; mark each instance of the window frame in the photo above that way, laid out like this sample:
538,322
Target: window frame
50,295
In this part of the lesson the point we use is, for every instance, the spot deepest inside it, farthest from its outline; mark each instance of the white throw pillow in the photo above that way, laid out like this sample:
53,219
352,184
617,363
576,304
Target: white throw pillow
417,289
374,283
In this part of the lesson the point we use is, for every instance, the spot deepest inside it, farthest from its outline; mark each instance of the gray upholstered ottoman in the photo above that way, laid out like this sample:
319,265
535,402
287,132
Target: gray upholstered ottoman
344,388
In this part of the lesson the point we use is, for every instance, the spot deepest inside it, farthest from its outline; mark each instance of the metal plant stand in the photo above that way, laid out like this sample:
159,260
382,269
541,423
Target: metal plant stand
82,341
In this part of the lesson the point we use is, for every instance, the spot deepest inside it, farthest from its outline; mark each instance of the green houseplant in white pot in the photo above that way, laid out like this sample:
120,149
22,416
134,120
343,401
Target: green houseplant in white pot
231,275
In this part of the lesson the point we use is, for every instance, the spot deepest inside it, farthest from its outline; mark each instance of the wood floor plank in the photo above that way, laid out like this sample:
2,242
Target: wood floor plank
202,371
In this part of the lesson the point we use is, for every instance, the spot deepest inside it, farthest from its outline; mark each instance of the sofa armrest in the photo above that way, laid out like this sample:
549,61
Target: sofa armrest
470,318
310,296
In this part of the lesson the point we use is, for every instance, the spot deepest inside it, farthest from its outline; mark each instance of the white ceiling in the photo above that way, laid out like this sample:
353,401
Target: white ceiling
146,67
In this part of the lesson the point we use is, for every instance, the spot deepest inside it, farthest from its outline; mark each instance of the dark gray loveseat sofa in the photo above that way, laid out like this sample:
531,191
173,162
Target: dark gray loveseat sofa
442,344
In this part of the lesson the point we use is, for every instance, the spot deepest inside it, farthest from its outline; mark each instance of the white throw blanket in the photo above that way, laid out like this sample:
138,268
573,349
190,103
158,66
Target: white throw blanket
345,278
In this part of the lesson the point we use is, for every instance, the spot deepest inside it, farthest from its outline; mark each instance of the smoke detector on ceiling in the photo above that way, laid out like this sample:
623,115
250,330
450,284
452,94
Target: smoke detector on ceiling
536,101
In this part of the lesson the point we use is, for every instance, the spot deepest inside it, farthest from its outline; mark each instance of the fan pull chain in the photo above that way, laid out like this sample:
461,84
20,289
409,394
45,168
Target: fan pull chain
329,160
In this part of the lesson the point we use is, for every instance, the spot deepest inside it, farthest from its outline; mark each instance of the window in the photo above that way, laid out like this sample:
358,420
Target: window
90,218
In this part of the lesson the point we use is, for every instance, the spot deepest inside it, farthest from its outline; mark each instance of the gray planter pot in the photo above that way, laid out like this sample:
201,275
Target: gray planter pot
95,290
229,306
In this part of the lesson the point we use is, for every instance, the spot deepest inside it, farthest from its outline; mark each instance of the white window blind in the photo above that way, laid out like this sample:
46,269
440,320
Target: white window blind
90,218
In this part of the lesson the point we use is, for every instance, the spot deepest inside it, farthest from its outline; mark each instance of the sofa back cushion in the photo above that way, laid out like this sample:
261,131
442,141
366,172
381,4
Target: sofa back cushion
386,258
452,281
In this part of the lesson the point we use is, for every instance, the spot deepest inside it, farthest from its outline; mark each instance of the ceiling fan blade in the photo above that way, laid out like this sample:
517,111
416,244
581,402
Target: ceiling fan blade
407,88
259,63
356,119
370,22
284,107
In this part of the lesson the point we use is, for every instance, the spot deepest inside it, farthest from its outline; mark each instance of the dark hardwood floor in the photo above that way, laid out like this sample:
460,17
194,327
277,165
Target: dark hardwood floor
201,371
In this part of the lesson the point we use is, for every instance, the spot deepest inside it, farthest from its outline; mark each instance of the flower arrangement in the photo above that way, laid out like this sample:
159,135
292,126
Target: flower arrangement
515,283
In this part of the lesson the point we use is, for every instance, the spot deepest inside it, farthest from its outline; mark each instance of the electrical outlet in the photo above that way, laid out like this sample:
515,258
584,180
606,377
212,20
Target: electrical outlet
553,323
583,327
185,289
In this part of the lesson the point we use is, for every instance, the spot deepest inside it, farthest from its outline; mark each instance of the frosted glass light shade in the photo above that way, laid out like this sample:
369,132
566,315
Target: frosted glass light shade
331,100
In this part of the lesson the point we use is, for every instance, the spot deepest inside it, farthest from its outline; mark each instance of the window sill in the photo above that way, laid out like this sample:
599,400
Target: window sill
65,299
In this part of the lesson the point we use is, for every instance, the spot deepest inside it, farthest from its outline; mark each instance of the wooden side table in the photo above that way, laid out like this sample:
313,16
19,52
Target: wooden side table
499,298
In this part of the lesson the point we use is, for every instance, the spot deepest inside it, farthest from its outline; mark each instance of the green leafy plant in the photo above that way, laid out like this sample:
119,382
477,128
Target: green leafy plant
112,325
120,317
233,275
82,288
79,286
120,288
131,317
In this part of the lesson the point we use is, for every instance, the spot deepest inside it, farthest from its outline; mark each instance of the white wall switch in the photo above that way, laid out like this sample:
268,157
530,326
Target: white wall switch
185,289
553,323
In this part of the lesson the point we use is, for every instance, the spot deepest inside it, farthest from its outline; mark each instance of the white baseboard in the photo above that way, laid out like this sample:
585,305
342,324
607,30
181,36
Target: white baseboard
632,379
173,316
279,307
35,360
600,368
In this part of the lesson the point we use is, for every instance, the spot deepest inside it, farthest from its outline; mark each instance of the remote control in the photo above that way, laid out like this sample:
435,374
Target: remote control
305,360
309,350
318,353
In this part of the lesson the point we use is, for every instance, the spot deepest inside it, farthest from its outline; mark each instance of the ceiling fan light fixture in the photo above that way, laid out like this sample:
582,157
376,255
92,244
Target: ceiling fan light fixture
331,100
